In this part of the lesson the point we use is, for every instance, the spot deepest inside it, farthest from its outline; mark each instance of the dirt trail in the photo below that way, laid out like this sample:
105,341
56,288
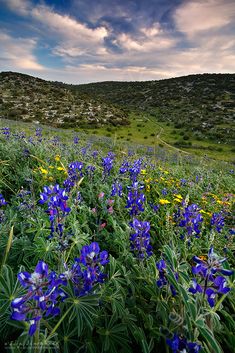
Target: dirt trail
157,137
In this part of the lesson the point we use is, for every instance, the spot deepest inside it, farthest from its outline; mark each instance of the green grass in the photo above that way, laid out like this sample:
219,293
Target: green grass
144,130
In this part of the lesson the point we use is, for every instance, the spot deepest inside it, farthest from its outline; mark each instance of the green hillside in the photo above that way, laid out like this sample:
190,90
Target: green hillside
26,98
201,105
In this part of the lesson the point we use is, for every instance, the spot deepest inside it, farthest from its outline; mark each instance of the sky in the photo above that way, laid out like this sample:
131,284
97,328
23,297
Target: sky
81,41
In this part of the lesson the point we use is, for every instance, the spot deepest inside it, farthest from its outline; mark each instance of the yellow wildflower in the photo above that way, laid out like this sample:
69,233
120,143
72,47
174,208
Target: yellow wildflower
60,168
164,201
143,172
205,212
43,171
57,158
148,180
177,200
178,196
202,257
147,188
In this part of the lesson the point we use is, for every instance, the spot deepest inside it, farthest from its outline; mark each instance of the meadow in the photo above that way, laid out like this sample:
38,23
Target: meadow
111,246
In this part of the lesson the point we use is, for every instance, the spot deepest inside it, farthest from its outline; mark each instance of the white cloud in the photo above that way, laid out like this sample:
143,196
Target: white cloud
152,53
17,53
147,43
22,7
68,27
196,16
151,31
81,73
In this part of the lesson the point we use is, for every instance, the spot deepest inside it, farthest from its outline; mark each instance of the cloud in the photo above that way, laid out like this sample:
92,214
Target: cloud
152,31
17,53
194,17
68,27
146,43
22,7
199,38
102,73
71,37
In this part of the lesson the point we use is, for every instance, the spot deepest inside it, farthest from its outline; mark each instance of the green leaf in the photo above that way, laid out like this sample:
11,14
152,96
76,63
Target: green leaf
210,339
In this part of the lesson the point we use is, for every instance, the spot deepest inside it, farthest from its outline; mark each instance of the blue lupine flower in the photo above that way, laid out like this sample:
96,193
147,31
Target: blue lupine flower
179,344
135,199
38,133
74,172
162,280
84,150
2,201
41,299
6,132
26,152
75,140
86,271
155,208
95,154
90,169
107,164
26,204
89,254
135,170
210,285
232,231
2,212
124,167
116,189
56,199
161,266
183,182
140,239
190,219
217,221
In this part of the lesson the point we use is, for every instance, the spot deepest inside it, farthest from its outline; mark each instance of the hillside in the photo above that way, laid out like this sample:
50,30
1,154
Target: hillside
26,98
203,105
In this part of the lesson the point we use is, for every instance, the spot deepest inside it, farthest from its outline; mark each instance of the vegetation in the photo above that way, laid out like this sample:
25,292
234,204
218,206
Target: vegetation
193,113
202,105
26,98
108,246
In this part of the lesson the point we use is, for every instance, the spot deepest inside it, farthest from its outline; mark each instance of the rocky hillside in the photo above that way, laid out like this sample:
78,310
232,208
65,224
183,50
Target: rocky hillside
27,98
203,104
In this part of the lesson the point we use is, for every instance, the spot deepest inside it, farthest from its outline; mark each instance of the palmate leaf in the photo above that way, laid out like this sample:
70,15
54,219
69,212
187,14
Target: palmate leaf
45,250
141,339
67,337
10,289
84,310
114,335
21,250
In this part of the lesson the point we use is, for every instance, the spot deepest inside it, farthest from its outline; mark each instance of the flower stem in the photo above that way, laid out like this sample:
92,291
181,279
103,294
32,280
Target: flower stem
59,322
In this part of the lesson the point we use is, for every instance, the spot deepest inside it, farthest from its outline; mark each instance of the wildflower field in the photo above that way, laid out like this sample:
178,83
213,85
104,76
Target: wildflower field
113,248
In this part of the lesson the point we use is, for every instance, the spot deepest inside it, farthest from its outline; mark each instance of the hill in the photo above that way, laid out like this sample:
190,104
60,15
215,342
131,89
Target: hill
26,98
203,105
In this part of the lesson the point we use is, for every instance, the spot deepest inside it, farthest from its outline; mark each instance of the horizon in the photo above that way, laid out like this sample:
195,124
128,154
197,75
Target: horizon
121,41
119,81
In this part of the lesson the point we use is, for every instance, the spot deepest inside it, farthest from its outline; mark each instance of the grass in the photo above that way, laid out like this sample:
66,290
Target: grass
145,130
